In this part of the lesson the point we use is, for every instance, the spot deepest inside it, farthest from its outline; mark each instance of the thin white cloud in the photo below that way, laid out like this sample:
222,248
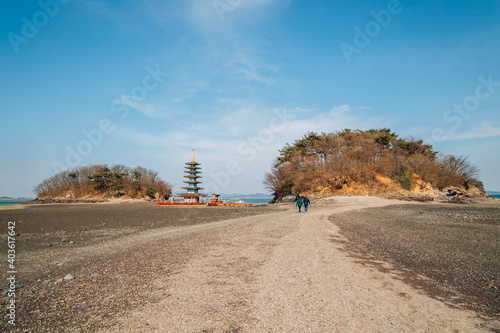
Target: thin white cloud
145,108
340,109
220,28
226,130
95,6
345,108
483,131
340,117
250,68
116,14
223,15
191,89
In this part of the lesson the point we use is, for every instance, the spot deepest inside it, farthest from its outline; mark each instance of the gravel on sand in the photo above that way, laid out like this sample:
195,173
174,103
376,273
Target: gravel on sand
84,224
450,251
272,272
118,252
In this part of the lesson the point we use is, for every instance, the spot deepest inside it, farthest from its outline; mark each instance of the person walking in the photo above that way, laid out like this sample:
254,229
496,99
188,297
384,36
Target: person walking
299,203
306,202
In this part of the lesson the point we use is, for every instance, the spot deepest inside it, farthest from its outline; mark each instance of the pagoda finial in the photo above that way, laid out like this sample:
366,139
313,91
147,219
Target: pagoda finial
193,155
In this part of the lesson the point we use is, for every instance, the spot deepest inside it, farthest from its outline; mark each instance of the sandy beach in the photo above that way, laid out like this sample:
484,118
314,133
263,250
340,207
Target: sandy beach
357,264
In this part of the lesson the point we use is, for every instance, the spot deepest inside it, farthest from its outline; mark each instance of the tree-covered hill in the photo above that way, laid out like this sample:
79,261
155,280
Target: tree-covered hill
365,162
101,181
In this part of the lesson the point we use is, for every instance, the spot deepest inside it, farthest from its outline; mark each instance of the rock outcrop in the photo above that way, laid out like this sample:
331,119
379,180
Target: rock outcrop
419,186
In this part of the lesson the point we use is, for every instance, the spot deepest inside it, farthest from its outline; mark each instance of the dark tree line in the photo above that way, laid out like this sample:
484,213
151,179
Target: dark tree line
101,180
349,157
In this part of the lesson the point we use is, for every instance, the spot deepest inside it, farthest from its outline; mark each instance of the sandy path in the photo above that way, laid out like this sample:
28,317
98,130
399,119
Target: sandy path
283,272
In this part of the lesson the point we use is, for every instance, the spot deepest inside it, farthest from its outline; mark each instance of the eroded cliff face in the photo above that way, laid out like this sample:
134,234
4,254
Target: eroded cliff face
419,186
342,186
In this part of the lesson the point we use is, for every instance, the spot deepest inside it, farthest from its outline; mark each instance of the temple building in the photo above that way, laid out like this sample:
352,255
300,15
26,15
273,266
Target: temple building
192,196
193,171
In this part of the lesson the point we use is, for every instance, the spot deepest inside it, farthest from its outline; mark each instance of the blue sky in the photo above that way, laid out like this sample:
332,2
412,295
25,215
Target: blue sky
144,82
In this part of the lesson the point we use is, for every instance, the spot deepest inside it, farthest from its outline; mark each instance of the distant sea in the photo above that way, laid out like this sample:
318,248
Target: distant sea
10,202
493,194
252,200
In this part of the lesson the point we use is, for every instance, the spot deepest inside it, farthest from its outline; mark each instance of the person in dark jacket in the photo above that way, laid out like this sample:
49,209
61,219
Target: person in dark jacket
306,202
299,203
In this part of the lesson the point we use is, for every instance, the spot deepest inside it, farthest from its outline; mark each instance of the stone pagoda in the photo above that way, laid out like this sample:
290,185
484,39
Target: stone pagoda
193,171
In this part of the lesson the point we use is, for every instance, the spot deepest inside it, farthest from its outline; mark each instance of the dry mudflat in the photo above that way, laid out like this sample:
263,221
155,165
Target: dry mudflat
450,251
354,264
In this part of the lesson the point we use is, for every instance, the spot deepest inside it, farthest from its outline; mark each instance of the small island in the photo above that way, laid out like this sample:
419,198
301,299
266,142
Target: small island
372,162
99,183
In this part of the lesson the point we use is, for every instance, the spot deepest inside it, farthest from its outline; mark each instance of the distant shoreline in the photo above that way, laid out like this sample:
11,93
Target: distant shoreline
256,201
11,202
